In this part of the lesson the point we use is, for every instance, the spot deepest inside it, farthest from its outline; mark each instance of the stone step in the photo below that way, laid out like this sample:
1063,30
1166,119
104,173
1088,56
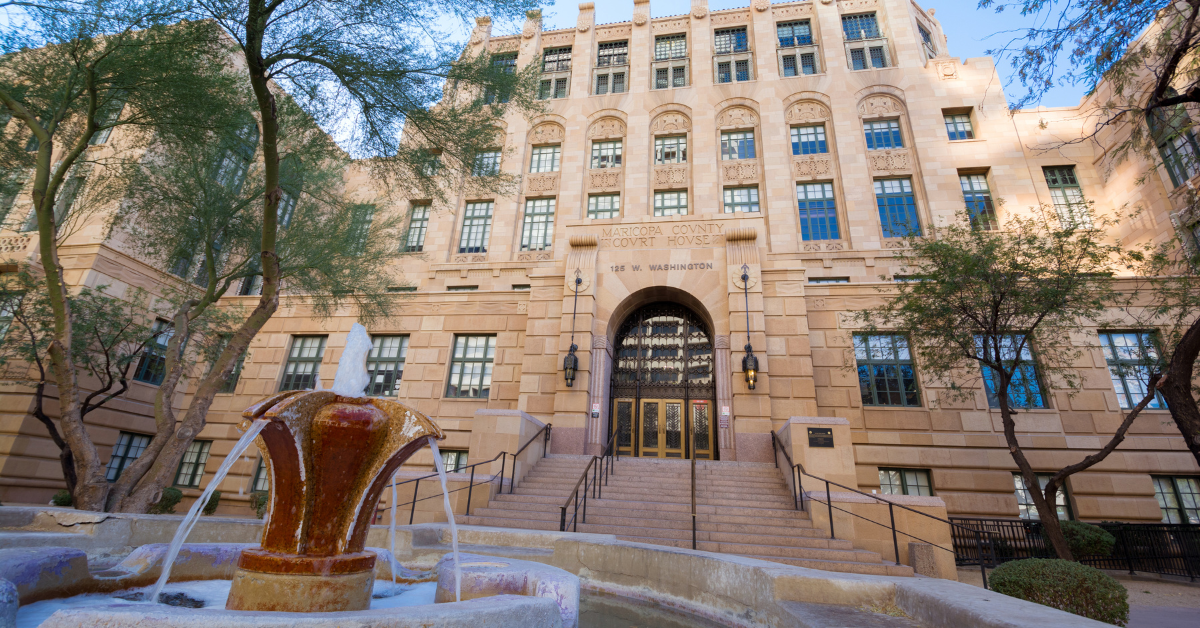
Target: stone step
721,538
664,493
631,481
874,569
678,521
750,549
649,509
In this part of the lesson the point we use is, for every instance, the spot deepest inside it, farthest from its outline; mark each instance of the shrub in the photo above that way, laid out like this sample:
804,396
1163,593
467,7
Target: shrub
62,498
166,504
258,501
1065,585
1087,540
211,505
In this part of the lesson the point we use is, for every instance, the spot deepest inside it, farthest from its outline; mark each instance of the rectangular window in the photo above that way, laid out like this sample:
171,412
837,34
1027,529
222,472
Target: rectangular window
105,119
886,376
612,53
670,203
67,194
1025,505
537,234
229,386
556,59
361,216
1025,390
601,84
506,63
191,467
127,449
741,200
958,127
789,65
679,76
545,158
897,208
883,134
251,286
303,363
737,145
418,226
809,140
979,201
606,154
453,460
477,226
808,63
819,280
385,365
152,367
861,26
545,89
662,78
604,206
1068,197
927,42
670,47
1130,355
905,482
730,40
486,164
1179,498
818,211
670,150
560,87
724,72
471,367
798,33
9,302
618,82
742,70
858,59
1179,155
262,477
878,57
461,288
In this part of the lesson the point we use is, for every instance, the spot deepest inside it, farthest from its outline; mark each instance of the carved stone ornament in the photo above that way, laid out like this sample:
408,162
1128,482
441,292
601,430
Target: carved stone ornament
640,19
542,256
947,70
731,19
812,166
671,122
744,172
740,285
476,38
850,6
607,128
793,11
737,117
808,111
522,307
546,133
468,259
892,161
508,45
762,5
604,179
897,243
542,182
670,176
816,247
699,12
846,321
880,106
672,26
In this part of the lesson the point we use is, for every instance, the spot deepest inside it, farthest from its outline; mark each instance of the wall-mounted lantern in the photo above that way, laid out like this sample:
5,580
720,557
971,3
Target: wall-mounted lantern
749,362
571,362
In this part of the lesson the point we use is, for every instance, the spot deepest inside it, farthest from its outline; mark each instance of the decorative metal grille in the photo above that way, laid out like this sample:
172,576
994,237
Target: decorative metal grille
674,425
700,425
664,351
650,425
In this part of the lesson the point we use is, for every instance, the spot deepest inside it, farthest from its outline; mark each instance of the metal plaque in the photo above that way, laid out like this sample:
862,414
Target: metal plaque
820,437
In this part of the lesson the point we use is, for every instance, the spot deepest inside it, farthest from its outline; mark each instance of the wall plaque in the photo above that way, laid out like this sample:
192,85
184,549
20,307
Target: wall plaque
820,437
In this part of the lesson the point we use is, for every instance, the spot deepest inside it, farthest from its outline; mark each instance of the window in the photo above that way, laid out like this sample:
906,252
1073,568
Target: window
737,145
612,53
1179,498
958,126
235,161
262,476
670,47
1025,505
191,468
905,482
477,225
1025,389
105,119
129,446
886,376
927,42
1179,155
507,63
606,154
461,288
741,200
730,40
553,88
742,70
818,211
402,289
820,280
486,164
385,365
807,65
809,140
545,158
251,286
883,134
67,194
604,206
361,216
897,208
418,226
303,363
670,150
230,383
617,82
9,302
670,203
453,460
286,209
670,77
979,201
724,74
792,34
1129,356
471,367
556,59
522,286
861,26
537,233
431,164
1067,196
152,367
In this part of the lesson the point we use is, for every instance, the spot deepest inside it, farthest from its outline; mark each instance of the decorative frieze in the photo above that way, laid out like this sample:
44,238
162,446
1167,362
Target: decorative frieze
812,166
670,122
855,6
890,161
740,172
807,111
792,11
821,247
671,177
731,18
607,128
737,118
546,133
667,27
540,256
604,180
469,259
880,105
542,183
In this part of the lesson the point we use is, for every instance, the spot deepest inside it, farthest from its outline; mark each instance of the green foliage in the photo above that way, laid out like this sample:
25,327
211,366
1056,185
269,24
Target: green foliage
259,501
171,497
210,506
62,499
1087,539
1065,585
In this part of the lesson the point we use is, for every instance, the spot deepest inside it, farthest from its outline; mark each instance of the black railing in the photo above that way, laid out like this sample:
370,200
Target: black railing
1171,549
800,498
543,433
599,468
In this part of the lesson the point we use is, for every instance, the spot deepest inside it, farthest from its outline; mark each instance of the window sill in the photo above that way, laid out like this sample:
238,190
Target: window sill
976,139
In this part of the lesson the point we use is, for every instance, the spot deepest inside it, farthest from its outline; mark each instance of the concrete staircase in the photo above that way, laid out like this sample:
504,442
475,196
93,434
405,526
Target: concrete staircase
742,508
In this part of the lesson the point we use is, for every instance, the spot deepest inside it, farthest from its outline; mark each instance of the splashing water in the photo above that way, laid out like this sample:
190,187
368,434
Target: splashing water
193,515
392,533
352,378
441,469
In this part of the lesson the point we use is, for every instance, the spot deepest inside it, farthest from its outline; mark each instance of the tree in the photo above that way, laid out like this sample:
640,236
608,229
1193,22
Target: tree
1007,302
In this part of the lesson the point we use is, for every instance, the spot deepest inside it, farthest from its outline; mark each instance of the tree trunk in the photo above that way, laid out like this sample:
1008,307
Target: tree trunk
65,459
1177,389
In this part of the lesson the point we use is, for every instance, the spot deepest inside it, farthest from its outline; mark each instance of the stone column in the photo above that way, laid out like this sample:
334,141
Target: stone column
598,387
723,375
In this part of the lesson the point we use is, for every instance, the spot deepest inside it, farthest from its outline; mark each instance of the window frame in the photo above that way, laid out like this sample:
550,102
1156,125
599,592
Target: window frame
606,154
486,163
1071,212
793,40
736,44
538,222
199,450
1147,345
887,210
460,457
476,227
908,388
889,138
800,145
290,380
738,147
876,32
679,203
671,49
1026,509
1186,514
135,440
1027,380
262,475
618,58
815,228
959,130
731,204
663,144
594,209
538,156
378,366
151,367
457,362
418,228
556,57
978,200
901,475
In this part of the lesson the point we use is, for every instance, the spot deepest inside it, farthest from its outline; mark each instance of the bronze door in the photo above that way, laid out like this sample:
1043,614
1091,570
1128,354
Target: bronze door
661,428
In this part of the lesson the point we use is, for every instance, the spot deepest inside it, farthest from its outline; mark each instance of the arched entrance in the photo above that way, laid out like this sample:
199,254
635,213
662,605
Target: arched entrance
662,384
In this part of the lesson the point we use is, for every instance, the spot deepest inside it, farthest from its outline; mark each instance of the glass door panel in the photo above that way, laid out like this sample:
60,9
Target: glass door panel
702,424
625,426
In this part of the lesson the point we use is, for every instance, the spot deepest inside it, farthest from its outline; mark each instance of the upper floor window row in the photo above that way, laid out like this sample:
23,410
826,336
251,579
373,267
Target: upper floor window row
670,47
556,59
791,34
730,40
613,53
860,26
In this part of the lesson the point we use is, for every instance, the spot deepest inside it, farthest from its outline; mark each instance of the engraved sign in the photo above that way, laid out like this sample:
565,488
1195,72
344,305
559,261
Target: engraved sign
684,234
820,437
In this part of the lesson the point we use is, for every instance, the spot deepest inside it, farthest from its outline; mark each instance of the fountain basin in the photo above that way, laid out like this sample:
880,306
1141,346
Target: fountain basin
487,576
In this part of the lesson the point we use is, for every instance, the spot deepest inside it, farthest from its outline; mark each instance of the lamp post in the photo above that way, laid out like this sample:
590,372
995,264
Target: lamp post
571,362
749,362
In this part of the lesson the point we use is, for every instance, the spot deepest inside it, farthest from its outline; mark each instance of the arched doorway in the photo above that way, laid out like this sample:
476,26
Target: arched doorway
662,384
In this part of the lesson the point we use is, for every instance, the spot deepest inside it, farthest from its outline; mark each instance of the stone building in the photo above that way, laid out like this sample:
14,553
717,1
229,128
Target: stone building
702,184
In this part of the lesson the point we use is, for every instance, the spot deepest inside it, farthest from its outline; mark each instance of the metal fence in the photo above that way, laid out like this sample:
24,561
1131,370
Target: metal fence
1161,548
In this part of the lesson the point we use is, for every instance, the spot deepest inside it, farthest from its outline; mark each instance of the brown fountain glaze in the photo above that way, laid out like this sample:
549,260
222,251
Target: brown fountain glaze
329,459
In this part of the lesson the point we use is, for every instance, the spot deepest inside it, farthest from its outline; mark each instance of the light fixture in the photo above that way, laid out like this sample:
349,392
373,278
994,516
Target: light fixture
571,362
749,362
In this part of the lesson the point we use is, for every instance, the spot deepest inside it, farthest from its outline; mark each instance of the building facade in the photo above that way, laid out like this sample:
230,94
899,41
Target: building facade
699,185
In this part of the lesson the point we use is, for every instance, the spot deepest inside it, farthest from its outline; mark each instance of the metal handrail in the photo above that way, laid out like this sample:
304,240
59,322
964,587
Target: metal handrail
694,493
798,489
600,473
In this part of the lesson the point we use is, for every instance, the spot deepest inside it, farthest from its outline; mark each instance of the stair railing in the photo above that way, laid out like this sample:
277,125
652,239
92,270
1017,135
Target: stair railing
798,475
543,433
599,468
694,499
